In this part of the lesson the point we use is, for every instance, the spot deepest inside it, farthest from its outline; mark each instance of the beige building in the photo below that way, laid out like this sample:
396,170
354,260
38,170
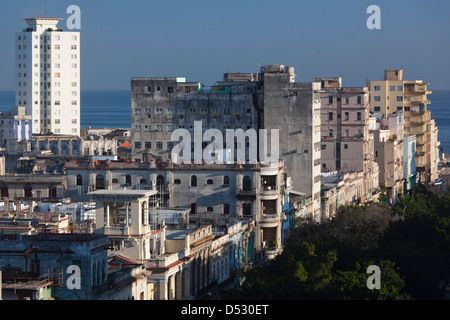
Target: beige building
389,154
392,94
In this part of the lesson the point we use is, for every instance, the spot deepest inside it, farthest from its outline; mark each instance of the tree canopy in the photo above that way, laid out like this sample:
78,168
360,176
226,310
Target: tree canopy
409,242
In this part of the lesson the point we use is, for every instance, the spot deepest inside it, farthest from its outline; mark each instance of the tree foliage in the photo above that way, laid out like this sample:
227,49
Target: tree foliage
410,242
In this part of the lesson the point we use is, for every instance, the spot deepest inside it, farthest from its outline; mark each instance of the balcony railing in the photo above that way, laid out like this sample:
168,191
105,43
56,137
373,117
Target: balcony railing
117,231
269,217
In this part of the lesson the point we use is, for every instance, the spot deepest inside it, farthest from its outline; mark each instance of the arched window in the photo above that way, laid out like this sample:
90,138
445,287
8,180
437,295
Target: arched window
193,181
115,180
226,181
99,182
128,180
143,181
247,183
160,182
209,181
79,180
177,181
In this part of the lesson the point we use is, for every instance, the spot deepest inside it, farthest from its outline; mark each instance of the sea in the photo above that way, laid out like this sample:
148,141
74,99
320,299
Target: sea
112,109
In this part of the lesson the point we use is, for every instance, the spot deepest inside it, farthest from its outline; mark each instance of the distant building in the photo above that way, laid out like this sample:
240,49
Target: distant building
15,125
389,154
270,99
392,94
48,76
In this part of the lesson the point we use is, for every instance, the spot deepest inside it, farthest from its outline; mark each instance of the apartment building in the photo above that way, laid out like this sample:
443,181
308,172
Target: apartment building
270,99
346,144
389,154
48,76
394,93
214,194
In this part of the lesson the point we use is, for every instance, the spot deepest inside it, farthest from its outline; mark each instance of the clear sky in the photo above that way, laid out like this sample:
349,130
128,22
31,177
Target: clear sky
201,40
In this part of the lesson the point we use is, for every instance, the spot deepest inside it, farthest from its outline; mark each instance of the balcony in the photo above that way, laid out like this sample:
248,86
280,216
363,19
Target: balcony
117,231
243,192
270,218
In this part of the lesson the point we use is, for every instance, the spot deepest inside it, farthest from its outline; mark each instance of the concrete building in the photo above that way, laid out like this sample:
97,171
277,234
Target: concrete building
15,125
389,154
409,162
33,263
215,194
346,144
342,189
268,100
392,94
48,76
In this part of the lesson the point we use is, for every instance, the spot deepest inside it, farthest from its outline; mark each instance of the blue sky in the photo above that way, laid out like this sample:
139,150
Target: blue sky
200,40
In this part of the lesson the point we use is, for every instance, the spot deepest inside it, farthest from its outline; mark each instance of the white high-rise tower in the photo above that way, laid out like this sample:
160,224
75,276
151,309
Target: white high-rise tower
48,76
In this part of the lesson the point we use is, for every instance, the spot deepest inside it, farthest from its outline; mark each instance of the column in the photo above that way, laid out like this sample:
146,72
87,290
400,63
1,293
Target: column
178,285
107,215
127,217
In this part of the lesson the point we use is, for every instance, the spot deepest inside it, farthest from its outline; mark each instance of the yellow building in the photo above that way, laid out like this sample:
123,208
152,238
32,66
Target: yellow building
409,96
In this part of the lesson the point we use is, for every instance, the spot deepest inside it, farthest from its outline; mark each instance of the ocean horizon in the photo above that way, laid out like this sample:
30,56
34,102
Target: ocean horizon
112,109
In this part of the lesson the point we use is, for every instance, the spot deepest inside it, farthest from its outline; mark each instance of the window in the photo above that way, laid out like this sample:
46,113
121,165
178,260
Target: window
209,209
128,180
73,47
391,88
137,111
399,88
377,108
159,145
74,121
345,146
115,180
137,128
376,88
209,181
148,145
159,128
347,116
359,100
330,99
246,210
99,182
358,116
160,181
170,128
177,181
346,132
399,98
330,115
79,180
170,145
148,128
226,208
170,89
226,181
137,145
330,132
247,184
57,121
377,98
193,181
159,111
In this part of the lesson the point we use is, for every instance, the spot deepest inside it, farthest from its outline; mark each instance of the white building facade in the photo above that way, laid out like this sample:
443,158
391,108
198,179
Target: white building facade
48,76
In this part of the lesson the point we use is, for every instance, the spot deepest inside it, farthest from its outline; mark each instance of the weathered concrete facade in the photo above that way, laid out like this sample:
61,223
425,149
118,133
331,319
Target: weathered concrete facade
268,100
